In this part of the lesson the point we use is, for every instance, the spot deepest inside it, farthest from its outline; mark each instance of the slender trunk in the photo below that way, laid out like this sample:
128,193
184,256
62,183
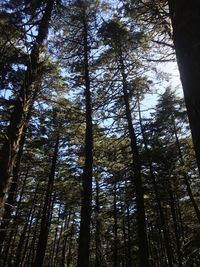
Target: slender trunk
86,203
23,242
115,256
186,178
16,169
46,213
175,224
129,254
185,22
24,238
55,250
33,244
7,215
137,180
98,247
69,254
65,237
157,195
23,102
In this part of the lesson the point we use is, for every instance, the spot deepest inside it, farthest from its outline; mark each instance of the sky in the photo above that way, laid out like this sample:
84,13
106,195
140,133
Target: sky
173,80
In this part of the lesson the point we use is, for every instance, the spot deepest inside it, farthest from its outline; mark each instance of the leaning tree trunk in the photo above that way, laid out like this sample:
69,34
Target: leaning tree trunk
137,179
185,22
86,203
23,102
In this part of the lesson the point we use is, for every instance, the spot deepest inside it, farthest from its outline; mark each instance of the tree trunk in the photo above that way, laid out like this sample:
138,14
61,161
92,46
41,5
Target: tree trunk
98,245
23,102
137,180
175,224
186,178
185,22
86,202
46,213
10,239
157,195
115,251
65,239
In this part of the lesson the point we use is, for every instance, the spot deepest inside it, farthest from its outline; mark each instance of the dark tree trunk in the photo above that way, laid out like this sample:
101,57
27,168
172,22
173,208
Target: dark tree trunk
23,102
186,177
55,251
115,252
46,213
86,203
11,199
21,251
157,195
70,244
175,224
98,246
137,180
65,239
129,242
186,35
7,215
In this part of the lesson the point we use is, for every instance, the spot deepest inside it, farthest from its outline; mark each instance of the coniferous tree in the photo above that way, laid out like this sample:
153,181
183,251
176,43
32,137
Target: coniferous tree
23,101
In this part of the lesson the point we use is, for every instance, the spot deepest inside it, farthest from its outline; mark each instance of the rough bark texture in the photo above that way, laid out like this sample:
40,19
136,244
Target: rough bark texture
23,102
185,16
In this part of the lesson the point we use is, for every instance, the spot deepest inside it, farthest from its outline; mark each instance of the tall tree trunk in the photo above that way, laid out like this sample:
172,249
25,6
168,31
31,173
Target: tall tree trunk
186,178
7,214
175,224
157,195
23,102
115,251
46,213
129,242
12,192
86,202
137,179
185,21
98,245
10,201
65,238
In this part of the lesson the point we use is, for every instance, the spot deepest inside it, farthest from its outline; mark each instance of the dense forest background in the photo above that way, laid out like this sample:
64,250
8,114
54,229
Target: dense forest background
98,166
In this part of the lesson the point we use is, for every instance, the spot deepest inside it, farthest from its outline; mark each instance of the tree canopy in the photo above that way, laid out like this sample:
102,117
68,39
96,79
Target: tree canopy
99,151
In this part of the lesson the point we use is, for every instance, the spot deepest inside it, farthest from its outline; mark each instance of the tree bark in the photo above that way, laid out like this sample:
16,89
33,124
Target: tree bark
86,202
23,102
186,177
137,179
157,195
98,245
46,213
185,22
115,251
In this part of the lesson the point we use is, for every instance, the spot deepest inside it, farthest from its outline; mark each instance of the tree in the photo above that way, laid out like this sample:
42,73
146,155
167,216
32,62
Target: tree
23,102
81,17
114,35
185,18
